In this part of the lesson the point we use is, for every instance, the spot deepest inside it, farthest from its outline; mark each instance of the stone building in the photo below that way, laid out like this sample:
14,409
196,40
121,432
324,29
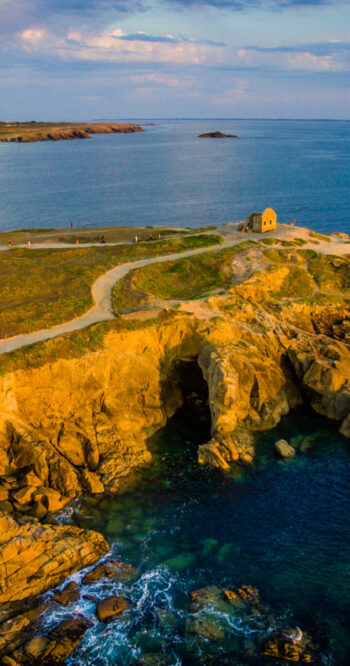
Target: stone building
260,222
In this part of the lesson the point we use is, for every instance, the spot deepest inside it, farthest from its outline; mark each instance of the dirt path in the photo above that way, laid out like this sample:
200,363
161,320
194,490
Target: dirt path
101,290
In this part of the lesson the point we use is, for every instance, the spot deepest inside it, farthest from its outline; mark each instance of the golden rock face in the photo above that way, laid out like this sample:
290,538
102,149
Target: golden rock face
35,557
82,424
79,425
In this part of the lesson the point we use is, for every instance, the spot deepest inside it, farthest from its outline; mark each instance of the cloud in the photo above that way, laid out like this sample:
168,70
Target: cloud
244,5
155,80
144,37
116,46
331,56
238,89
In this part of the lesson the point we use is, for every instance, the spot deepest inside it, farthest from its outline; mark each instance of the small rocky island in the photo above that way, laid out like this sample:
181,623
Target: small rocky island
36,131
217,135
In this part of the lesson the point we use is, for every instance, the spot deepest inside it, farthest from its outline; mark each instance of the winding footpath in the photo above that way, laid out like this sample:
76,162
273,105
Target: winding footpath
101,292
102,288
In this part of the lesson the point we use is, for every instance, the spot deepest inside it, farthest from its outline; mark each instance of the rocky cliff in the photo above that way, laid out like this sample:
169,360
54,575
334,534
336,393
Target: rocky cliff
79,425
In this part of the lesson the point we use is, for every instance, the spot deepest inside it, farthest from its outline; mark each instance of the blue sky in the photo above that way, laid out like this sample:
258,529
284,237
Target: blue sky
86,59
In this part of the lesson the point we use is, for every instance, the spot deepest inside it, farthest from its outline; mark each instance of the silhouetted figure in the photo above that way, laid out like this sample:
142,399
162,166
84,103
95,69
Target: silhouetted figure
103,240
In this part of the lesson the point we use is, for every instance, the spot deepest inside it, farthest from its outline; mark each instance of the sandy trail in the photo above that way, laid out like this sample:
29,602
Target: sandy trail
101,290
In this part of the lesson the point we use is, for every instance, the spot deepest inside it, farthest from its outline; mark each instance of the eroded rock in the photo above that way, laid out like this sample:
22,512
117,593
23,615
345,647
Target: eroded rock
34,557
106,609
59,643
68,595
284,449
113,569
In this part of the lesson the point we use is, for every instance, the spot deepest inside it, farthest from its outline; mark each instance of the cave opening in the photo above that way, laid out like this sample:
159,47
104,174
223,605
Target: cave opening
187,391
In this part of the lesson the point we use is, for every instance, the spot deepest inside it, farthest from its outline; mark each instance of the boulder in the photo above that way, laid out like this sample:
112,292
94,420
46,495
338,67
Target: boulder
51,499
91,482
284,449
15,631
24,495
4,494
122,571
58,644
68,595
110,607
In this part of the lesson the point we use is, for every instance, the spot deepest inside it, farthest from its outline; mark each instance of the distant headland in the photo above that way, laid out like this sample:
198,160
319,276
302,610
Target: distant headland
36,131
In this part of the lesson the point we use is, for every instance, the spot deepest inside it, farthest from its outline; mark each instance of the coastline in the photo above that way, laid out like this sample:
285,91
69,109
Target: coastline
275,336
36,131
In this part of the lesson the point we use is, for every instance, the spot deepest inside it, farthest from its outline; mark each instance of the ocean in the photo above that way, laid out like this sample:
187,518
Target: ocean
167,175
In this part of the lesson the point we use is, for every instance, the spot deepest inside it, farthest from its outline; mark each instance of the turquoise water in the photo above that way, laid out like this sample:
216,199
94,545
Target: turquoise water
167,175
282,526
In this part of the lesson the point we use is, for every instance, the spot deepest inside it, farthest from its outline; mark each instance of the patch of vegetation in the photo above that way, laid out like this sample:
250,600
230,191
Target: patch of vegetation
182,279
279,255
321,237
285,243
296,242
297,284
41,288
330,270
70,345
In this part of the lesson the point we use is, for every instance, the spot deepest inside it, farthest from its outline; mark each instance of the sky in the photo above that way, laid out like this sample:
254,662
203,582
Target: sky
137,59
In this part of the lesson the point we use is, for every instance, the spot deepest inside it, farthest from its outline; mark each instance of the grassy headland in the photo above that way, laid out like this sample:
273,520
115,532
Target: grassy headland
248,269
41,288
33,131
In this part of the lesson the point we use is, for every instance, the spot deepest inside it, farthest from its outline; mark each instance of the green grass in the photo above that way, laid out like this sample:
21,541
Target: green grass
41,288
182,279
70,345
330,270
321,237
297,284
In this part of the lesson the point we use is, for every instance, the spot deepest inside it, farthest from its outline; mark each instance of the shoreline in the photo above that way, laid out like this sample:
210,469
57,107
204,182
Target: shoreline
33,131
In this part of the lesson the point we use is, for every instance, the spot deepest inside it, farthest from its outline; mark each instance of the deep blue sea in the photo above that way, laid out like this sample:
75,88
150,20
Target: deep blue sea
167,175
282,526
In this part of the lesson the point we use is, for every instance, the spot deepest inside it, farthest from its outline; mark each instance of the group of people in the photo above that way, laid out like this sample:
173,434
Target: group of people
10,244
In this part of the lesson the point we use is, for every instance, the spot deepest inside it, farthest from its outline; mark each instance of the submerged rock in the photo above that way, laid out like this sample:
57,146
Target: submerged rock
206,596
291,645
284,449
245,593
110,607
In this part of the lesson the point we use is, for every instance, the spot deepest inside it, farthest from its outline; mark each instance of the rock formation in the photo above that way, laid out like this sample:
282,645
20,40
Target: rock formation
77,425
217,135
34,557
